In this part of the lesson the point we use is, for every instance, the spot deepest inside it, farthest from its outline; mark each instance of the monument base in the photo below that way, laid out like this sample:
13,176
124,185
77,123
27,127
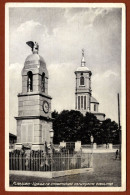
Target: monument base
34,146
38,146
18,146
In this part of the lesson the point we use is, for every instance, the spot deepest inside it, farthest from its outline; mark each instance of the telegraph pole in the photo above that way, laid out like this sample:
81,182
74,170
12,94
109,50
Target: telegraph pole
118,98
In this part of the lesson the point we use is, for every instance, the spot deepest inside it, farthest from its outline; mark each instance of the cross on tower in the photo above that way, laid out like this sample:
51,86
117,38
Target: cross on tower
83,60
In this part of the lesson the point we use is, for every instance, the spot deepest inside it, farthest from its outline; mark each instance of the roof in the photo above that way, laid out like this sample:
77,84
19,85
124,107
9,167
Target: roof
35,57
82,68
93,100
35,63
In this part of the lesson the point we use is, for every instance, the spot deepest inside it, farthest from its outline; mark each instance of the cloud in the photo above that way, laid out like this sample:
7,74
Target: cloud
61,35
85,16
15,87
110,73
105,87
62,85
27,31
28,25
105,75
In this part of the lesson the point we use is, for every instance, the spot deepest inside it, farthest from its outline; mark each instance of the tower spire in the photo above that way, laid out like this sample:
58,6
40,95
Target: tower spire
83,60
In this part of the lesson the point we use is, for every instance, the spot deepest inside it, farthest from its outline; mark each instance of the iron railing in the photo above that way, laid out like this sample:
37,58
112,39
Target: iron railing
39,161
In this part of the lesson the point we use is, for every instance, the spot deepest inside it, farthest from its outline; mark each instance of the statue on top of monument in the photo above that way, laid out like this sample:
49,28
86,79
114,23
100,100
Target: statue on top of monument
34,46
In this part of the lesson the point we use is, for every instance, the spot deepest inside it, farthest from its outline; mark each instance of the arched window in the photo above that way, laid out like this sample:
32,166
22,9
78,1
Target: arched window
30,81
81,80
43,83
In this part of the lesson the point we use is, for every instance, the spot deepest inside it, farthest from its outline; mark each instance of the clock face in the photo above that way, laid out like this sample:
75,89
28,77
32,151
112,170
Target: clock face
45,107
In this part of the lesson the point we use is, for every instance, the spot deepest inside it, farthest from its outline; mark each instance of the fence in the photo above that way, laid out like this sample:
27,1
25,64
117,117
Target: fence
48,162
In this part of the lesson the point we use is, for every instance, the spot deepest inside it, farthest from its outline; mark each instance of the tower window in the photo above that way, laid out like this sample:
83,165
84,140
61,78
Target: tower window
78,102
43,83
81,80
81,101
94,107
84,102
30,81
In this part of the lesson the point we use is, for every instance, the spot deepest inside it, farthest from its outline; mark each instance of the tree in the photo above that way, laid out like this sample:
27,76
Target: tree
67,126
72,126
54,114
90,127
110,132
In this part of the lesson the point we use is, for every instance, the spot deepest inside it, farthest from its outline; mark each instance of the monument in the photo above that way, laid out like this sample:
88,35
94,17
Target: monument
34,122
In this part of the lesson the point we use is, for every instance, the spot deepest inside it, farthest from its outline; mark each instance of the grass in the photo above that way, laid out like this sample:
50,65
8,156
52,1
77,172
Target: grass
106,172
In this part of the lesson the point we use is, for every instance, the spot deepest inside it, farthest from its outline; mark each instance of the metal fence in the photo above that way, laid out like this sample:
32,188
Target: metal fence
39,161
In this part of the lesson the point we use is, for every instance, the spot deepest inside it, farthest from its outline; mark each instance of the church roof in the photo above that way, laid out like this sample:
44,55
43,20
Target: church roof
82,68
93,100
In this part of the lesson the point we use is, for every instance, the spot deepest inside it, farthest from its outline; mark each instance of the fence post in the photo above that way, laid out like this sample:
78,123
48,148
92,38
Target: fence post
39,161
68,160
51,161
91,160
20,166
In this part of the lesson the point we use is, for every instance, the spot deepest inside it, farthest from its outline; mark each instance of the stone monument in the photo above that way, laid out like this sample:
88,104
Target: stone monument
34,122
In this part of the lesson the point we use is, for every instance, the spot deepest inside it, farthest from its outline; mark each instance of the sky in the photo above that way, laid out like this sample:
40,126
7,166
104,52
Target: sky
62,33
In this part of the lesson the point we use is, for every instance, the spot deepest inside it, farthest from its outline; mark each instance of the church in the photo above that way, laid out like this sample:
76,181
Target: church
84,101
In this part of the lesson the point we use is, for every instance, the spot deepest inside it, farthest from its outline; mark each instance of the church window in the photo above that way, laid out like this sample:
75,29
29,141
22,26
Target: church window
84,102
30,81
43,82
81,101
81,80
94,107
78,102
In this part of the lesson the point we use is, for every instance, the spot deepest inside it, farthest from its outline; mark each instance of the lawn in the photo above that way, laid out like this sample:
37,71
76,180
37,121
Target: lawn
106,172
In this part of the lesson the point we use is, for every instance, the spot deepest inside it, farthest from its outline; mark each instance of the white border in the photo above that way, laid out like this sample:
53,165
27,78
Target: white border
123,97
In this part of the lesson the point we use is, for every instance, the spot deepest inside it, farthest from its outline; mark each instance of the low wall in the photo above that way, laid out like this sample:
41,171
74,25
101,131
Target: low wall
98,150
49,174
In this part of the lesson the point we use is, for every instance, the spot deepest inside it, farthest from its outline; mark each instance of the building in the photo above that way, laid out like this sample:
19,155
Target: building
84,101
34,122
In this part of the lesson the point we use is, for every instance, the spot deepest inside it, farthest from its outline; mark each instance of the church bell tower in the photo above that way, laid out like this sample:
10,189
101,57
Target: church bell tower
83,87
34,122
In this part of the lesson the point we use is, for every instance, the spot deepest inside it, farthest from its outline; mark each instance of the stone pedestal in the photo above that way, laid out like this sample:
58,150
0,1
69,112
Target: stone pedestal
78,146
38,147
62,144
104,145
94,146
18,146
110,146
